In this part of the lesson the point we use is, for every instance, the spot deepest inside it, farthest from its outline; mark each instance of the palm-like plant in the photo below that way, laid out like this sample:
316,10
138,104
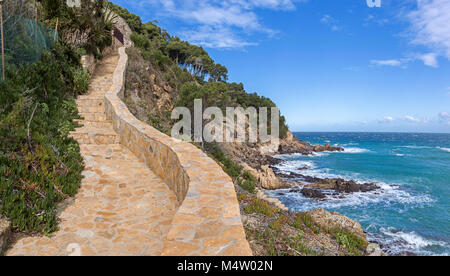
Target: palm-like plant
89,26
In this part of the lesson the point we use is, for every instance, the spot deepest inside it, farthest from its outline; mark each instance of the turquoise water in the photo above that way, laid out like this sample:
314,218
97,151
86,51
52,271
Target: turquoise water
411,213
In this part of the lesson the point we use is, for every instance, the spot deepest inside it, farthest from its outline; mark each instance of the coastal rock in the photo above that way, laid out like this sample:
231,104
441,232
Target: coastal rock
275,201
334,220
5,230
374,250
313,193
266,177
342,186
326,147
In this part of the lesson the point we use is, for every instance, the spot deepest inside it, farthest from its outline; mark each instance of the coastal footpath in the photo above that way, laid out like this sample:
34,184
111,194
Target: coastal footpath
144,193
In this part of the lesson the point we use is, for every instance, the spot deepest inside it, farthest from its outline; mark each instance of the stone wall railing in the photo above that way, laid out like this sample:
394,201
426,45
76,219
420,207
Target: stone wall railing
208,220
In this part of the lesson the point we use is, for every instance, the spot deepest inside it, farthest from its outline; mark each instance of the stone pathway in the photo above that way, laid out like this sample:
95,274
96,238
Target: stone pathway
122,207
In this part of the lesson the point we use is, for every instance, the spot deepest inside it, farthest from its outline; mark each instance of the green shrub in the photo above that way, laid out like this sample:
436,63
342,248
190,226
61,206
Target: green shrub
140,41
353,244
39,164
261,207
248,182
81,81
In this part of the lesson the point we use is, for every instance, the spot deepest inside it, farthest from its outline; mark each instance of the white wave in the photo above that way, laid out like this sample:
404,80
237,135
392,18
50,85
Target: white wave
416,147
399,154
401,241
388,194
355,150
294,166
444,149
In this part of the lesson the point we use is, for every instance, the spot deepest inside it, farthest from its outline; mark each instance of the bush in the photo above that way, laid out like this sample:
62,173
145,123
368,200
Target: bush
261,207
39,164
353,244
140,41
81,81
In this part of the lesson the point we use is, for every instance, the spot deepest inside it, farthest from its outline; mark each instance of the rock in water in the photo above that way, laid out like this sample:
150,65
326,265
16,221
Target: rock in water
313,193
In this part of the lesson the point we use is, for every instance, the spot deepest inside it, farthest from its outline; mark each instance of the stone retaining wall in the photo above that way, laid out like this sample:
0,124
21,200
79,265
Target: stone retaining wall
208,220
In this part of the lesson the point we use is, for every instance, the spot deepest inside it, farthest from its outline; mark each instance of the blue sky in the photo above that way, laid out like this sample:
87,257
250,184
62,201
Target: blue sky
329,65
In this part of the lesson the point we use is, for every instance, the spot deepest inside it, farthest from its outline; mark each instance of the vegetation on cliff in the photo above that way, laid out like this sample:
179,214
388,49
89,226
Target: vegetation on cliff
189,70
274,232
39,164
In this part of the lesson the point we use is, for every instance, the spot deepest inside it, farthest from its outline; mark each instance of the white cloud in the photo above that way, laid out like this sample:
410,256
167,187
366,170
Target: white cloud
429,59
386,119
216,37
430,25
371,19
331,21
444,118
388,62
219,23
412,119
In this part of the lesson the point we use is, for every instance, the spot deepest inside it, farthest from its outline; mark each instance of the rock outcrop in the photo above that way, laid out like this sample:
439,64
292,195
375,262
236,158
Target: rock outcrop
292,144
334,220
266,177
341,186
374,250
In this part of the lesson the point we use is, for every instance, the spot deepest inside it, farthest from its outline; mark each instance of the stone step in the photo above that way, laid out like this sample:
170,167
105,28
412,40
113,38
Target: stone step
91,108
95,124
90,102
108,129
91,96
95,138
93,117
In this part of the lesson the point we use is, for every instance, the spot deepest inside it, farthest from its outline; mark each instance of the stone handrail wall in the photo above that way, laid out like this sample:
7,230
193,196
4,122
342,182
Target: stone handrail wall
208,220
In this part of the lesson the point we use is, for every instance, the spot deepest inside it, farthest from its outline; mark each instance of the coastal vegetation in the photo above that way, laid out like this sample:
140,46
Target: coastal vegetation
39,164
274,232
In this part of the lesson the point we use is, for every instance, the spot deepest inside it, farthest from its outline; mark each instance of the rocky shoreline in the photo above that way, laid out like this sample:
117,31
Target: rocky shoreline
263,165
319,188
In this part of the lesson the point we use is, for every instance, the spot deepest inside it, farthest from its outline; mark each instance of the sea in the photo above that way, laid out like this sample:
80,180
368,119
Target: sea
410,214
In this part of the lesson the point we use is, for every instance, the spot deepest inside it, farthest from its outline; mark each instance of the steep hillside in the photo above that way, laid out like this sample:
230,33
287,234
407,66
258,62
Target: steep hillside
165,72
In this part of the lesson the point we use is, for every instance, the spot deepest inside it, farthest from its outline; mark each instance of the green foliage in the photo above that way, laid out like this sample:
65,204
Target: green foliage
190,68
353,244
230,167
140,41
81,81
39,164
309,223
88,26
261,207
248,182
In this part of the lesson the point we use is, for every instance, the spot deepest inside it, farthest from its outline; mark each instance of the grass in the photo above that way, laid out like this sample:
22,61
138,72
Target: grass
261,207
353,244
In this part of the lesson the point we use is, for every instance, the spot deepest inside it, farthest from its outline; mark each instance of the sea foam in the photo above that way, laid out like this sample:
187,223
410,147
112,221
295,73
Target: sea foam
356,150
